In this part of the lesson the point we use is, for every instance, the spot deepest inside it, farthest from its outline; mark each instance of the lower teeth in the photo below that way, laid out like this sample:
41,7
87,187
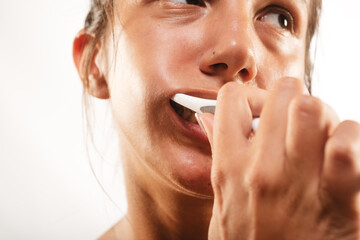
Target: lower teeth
192,118
184,112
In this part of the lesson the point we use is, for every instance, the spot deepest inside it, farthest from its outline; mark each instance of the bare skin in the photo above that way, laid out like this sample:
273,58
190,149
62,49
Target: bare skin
297,178
238,51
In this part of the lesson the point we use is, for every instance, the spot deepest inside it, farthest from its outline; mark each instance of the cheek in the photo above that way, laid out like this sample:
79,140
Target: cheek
278,56
164,53
138,83
127,93
275,62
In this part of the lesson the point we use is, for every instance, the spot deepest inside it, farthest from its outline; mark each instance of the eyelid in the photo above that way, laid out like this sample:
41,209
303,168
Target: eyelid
202,3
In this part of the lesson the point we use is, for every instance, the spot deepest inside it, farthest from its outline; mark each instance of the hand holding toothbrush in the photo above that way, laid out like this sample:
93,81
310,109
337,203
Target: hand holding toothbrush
297,178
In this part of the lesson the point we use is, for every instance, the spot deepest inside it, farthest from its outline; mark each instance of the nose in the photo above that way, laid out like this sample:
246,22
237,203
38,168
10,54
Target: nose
231,57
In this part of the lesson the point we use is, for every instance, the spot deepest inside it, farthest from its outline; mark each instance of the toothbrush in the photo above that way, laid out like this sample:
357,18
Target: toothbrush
201,105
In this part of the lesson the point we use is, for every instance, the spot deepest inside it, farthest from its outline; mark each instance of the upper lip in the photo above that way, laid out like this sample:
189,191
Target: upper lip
200,93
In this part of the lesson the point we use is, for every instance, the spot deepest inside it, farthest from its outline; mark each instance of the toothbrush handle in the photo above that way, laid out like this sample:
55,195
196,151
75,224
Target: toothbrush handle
201,105
255,124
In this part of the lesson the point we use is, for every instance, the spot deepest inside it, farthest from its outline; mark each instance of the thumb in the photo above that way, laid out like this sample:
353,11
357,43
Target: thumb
206,122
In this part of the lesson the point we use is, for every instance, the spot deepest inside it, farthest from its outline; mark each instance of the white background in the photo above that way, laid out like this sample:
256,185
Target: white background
47,189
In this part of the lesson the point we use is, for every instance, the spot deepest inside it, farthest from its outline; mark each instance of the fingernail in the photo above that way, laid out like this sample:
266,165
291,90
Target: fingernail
200,122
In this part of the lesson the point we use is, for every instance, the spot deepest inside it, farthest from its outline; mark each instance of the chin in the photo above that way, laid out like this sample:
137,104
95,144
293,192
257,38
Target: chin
190,170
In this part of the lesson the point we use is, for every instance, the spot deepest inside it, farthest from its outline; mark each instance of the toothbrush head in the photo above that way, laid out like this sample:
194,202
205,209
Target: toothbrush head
201,105
198,105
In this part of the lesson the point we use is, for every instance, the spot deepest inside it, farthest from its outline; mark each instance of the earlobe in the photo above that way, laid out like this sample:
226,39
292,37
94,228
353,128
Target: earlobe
95,83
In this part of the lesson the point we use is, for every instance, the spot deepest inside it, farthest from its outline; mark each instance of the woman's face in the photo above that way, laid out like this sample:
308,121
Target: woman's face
166,47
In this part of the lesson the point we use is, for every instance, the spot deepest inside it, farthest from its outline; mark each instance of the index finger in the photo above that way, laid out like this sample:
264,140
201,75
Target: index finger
237,106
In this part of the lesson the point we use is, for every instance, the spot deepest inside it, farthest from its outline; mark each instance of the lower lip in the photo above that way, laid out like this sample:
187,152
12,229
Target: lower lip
188,128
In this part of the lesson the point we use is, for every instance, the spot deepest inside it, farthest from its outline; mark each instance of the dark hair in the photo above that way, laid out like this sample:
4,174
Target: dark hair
101,14
313,24
97,20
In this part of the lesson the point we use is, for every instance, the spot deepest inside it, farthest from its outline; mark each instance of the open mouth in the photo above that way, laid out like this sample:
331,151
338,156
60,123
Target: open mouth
183,112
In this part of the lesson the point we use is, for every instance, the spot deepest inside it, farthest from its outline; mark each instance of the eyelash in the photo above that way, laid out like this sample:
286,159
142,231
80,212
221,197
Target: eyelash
283,13
199,3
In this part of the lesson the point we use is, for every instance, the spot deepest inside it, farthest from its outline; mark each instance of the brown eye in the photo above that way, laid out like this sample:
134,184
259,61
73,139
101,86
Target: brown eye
283,21
278,19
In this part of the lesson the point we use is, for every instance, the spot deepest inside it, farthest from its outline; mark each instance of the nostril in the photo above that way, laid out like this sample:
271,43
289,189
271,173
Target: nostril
244,73
223,66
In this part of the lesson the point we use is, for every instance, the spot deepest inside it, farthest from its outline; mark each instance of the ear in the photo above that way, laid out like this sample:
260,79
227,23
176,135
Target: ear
97,85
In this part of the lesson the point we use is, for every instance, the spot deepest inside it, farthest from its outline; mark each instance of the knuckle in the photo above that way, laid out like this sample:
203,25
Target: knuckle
308,106
342,151
265,182
344,145
227,89
218,178
289,83
260,186
231,90
354,126
258,181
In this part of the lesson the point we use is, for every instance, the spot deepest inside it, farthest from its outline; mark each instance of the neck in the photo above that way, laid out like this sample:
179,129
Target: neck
158,210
